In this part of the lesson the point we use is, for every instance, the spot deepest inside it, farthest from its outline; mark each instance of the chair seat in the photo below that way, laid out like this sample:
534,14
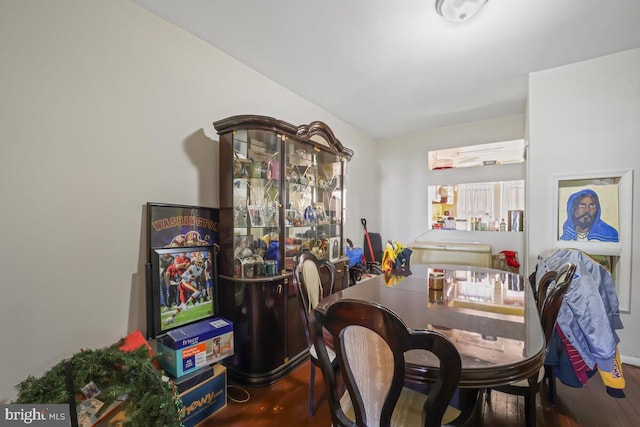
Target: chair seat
408,410
314,354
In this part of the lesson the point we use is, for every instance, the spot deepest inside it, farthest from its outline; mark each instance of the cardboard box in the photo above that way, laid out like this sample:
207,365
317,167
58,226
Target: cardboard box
188,381
206,398
200,401
191,347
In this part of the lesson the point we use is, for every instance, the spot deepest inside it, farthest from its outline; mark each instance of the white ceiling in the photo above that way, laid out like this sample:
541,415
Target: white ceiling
395,67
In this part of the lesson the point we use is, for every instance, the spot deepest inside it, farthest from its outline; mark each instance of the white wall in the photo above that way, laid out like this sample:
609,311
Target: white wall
404,177
584,118
105,107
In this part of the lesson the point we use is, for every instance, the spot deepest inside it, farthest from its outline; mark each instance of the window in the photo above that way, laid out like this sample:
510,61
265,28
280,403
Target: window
485,205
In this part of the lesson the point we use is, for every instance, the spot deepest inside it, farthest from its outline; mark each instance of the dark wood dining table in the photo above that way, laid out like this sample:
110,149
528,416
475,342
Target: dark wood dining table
489,315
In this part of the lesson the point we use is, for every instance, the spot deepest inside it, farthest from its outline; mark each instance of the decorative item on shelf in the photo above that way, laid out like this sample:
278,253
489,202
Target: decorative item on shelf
273,168
242,248
273,220
246,267
256,169
515,220
321,246
450,223
321,217
256,215
446,194
436,296
462,225
241,216
249,266
258,265
263,169
310,215
436,280
273,253
240,166
290,216
270,268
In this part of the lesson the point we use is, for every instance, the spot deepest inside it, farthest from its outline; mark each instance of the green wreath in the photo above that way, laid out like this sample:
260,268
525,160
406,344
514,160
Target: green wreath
152,400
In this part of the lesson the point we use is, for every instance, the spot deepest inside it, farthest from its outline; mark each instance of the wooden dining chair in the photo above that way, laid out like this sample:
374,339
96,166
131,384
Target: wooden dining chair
549,313
549,300
310,290
370,342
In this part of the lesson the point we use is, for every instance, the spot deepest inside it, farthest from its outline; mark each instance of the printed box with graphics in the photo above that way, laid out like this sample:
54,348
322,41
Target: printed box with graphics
192,379
205,398
188,348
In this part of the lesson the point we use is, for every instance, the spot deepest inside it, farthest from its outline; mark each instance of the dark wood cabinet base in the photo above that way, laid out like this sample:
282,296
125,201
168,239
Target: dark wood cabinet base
240,376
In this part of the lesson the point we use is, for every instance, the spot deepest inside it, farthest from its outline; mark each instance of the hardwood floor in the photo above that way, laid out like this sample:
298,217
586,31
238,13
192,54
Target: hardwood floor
284,403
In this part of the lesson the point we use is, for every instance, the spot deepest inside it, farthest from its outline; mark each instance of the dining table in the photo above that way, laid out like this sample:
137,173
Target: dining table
489,315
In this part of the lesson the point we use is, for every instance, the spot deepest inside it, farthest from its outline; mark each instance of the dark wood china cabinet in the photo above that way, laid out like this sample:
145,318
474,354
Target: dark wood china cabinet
282,189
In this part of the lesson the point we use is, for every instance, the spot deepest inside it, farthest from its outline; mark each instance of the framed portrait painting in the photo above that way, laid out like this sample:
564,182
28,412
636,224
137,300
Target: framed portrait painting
593,213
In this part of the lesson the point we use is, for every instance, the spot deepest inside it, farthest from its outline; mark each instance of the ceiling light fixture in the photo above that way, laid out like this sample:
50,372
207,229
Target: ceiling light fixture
458,10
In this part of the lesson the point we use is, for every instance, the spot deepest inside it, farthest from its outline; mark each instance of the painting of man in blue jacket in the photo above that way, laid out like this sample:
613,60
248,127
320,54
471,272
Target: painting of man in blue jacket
583,219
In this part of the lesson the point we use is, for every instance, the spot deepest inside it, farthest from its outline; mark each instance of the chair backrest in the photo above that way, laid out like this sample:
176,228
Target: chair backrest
547,279
553,297
309,286
370,341
552,276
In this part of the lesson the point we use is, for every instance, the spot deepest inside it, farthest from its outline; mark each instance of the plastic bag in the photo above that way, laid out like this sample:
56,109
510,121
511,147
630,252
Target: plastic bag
395,256
354,254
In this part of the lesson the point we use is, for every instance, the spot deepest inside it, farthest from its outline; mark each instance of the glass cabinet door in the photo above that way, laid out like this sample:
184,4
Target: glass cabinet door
312,202
256,202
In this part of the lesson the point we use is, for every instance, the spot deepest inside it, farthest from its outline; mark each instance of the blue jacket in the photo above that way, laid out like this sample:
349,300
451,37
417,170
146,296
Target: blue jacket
590,312
600,230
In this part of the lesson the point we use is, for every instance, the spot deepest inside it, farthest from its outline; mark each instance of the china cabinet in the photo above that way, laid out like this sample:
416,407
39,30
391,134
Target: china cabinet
282,189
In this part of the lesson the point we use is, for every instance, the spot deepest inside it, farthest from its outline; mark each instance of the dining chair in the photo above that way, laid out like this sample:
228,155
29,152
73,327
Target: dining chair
370,342
310,290
549,300
549,313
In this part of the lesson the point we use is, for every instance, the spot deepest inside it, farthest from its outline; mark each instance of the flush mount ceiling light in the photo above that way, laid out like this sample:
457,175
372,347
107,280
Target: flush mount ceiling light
458,10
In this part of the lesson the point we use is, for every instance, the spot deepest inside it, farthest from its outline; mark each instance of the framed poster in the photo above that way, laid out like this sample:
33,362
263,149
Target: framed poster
174,226
593,213
181,268
183,290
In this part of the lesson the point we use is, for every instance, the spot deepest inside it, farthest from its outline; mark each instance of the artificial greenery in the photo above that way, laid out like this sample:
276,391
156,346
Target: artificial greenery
152,401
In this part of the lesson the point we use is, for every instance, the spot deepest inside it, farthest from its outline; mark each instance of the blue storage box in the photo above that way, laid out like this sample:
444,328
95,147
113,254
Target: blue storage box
191,347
